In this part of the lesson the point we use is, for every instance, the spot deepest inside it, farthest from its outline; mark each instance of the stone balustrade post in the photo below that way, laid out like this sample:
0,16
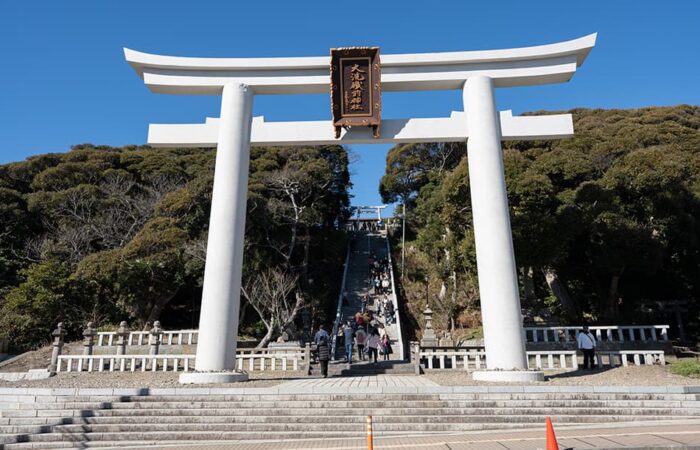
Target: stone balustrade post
58,335
89,334
415,351
154,338
307,357
122,335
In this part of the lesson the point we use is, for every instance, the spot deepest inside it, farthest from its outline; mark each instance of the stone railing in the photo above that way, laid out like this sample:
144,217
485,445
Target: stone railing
168,337
544,360
467,360
272,361
281,358
611,333
394,299
554,360
125,363
625,357
261,361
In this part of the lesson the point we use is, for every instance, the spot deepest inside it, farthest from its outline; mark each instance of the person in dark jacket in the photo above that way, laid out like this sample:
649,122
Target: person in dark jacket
324,355
348,336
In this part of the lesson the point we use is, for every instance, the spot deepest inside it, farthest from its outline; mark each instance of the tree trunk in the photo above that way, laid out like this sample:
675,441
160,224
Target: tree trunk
612,309
158,306
558,288
268,336
528,274
244,311
305,262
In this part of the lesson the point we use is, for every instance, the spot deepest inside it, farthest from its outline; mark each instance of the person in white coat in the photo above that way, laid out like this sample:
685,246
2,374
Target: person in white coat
586,343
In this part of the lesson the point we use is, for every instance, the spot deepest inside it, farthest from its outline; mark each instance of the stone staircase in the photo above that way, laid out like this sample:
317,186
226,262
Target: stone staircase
89,418
357,284
364,368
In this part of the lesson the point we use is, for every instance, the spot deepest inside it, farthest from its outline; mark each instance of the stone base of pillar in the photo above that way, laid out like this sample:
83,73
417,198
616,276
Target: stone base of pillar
212,377
508,375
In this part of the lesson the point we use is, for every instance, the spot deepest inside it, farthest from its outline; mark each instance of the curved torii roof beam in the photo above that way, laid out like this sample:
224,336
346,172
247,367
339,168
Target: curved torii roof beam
553,63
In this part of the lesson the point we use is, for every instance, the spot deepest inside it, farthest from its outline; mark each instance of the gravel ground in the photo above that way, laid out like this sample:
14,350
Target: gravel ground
618,376
145,380
37,359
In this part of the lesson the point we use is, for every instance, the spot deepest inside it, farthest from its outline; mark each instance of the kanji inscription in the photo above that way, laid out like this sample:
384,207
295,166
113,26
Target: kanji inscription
356,88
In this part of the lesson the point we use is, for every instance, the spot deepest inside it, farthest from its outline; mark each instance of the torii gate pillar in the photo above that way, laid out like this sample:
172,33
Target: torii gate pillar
221,296
498,282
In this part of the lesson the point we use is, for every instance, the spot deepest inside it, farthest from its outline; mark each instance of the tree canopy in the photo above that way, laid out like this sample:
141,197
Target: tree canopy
603,223
109,234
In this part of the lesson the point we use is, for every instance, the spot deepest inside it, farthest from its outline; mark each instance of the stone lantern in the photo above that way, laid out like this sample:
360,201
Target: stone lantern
155,338
89,334
58,335
429,338
122,335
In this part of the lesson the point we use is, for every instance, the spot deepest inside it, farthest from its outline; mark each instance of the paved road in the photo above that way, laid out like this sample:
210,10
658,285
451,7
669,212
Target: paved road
666,434
361,383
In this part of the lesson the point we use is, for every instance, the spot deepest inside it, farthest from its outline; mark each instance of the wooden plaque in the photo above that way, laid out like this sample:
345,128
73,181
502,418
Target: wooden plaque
356,94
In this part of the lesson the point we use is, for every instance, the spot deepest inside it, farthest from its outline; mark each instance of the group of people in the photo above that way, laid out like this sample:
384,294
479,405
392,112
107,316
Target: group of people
367,339
379,274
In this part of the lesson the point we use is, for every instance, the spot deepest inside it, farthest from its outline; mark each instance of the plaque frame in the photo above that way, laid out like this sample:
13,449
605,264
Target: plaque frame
371,115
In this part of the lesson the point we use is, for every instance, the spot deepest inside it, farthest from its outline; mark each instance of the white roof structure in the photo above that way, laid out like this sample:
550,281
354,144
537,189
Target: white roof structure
553,63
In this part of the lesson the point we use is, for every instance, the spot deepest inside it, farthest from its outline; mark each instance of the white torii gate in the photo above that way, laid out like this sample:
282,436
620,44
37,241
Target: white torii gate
370,209
476,73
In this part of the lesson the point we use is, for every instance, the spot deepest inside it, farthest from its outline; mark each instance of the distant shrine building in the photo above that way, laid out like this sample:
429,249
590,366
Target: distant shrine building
355,78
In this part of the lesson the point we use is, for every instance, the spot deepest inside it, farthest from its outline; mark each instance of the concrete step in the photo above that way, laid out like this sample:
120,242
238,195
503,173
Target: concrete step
283,397
353,404
62,421
355,401
339,412
248,431
264,423
251,437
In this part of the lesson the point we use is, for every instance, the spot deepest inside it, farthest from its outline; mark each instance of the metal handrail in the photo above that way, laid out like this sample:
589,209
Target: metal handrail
339,310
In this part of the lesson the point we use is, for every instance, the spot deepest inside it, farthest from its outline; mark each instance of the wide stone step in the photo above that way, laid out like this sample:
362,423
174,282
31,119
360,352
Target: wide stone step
336,411
356,404
253,431
353,405
214,403
360,403
263,423
246,437
292,396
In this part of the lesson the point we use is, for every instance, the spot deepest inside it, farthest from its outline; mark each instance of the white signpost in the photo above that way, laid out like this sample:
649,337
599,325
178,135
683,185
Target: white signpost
476,73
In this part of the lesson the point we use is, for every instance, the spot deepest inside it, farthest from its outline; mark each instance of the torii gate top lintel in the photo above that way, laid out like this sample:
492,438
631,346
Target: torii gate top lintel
363,209
523,66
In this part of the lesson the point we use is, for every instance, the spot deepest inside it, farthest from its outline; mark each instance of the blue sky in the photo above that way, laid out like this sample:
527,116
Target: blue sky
64,80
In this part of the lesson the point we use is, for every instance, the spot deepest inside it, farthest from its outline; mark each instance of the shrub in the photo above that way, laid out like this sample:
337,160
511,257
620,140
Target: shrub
686,368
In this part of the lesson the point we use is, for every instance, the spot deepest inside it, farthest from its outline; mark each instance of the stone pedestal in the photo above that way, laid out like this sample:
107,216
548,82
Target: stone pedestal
508,375
212,377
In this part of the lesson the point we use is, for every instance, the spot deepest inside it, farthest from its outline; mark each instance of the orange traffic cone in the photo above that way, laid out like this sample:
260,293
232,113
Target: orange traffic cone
551,437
